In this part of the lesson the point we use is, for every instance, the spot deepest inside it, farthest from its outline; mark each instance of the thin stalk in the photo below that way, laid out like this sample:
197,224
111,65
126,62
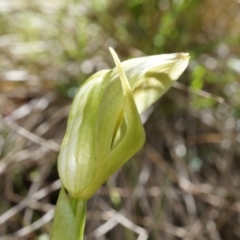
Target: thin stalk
79,207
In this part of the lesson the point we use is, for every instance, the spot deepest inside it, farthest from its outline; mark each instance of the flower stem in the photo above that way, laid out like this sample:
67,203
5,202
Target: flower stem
79,207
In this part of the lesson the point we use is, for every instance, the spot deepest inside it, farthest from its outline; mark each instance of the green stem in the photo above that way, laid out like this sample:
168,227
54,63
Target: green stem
79,207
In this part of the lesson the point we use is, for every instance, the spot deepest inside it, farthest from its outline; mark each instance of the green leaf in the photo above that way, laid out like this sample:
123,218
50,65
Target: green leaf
64,223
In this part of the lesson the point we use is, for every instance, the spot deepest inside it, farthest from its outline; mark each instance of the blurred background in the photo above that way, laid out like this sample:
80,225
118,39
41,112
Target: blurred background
185,182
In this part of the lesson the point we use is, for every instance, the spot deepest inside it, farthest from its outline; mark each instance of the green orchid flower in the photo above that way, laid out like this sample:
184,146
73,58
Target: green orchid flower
104,128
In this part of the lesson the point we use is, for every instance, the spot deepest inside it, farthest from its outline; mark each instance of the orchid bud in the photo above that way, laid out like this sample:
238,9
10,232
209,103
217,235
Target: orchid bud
104,129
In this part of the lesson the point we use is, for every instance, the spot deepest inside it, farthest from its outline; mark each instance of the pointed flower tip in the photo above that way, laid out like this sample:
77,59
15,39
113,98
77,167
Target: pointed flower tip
115,57
122,75
184,56
112,52
179,65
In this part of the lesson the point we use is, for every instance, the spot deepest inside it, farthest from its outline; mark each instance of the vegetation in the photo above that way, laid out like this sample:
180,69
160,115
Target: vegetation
184,183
